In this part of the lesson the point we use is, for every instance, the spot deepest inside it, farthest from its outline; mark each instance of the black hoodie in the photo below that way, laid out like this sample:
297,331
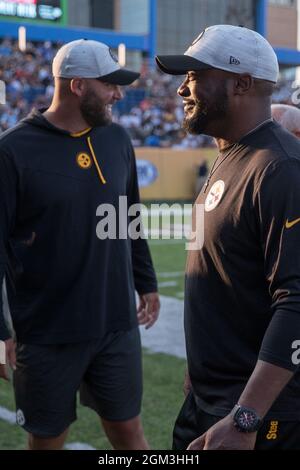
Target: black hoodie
64,283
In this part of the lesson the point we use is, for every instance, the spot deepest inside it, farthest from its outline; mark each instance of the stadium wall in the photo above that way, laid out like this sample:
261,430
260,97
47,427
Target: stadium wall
79,13
166,174
179,22
282,25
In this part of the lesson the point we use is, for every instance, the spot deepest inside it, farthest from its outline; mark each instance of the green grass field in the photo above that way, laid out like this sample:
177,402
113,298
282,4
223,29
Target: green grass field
169,256
163,374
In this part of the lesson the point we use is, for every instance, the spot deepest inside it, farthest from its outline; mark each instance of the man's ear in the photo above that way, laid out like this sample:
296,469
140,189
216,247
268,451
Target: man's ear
77,86
242,84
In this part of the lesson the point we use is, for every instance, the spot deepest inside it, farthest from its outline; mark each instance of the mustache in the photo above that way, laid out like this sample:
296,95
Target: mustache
201,108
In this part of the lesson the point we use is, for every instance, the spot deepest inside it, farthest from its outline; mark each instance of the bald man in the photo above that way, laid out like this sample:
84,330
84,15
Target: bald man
288,117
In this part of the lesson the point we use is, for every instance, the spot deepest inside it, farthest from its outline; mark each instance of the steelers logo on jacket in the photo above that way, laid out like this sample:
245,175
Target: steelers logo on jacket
84,161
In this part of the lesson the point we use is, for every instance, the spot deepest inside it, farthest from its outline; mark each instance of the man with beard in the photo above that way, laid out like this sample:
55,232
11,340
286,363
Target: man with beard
242,299
71,286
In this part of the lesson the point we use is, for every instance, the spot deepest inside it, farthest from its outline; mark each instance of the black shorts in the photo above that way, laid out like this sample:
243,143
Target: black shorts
192,422
108,373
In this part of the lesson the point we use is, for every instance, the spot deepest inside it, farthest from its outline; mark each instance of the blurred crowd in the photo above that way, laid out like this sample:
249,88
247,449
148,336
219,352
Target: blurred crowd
27,77
151,111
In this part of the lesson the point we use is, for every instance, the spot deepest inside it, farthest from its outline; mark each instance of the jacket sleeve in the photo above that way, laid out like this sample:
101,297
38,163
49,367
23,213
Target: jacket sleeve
143,271
8,201
278,209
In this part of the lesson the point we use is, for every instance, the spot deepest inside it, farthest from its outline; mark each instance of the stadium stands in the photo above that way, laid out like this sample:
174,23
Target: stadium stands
149,111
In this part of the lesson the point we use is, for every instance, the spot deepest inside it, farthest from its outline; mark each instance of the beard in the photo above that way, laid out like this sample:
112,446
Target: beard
206,113
93,111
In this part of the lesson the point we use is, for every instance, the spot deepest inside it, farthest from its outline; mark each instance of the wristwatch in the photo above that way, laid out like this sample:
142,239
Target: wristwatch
245,419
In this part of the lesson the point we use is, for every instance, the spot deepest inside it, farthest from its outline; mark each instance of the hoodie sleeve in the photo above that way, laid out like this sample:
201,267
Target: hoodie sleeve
8,197
278,206
143,271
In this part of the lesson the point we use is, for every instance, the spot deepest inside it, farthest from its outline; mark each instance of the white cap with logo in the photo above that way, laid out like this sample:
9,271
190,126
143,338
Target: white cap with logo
90,59
231,48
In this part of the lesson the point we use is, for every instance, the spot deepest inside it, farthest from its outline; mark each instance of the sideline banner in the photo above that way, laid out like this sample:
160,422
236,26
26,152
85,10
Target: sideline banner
167,174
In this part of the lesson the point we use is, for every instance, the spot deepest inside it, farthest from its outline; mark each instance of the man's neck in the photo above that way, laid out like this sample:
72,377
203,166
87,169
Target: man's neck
66,117
236,133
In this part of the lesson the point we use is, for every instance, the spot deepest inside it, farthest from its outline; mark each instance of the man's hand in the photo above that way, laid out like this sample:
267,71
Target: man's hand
10,349
148,310
224,436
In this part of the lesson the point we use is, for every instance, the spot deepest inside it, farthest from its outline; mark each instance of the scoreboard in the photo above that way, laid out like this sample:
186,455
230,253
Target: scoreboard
41,11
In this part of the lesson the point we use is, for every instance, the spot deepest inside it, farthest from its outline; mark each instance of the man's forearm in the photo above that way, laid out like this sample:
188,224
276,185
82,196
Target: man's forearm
264,386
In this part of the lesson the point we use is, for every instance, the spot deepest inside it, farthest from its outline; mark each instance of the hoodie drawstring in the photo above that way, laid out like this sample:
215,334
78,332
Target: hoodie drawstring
102,179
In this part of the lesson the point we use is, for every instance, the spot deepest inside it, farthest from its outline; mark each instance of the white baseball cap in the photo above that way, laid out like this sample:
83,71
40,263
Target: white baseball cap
90,59
232,48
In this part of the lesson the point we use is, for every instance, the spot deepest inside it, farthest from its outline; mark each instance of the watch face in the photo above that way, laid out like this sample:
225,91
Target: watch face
246,420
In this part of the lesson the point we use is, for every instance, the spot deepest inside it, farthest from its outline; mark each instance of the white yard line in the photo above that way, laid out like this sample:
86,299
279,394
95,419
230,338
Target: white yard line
157,234
78,446
7,416
167,284
169,275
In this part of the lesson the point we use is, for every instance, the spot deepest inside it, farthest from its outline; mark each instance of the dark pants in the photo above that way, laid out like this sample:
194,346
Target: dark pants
107,371
192,422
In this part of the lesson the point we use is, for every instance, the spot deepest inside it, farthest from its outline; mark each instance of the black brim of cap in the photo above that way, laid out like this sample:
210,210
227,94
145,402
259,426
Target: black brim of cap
179,64
120,77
